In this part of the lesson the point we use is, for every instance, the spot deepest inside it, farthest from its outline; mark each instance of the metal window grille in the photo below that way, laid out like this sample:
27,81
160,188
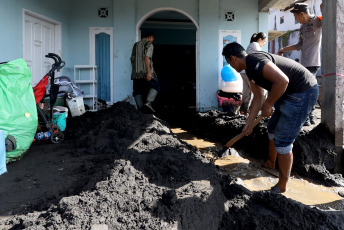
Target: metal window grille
103,12
229,16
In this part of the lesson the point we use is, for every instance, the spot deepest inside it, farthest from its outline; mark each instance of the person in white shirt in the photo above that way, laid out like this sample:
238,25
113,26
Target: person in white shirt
257,41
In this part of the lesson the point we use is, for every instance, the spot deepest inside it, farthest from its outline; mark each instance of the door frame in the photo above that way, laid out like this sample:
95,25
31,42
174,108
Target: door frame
93,32
138,38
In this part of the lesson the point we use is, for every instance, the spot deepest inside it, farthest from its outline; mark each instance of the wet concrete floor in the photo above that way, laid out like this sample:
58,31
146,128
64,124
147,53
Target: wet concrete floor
255,178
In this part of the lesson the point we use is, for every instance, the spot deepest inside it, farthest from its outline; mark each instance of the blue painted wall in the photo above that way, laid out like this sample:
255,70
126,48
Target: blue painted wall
125,17
11,23
84,14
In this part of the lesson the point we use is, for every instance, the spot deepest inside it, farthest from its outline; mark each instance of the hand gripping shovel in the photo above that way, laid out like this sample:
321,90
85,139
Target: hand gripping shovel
241,135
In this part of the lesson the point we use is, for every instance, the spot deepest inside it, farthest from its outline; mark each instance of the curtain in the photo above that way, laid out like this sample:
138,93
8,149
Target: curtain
103,66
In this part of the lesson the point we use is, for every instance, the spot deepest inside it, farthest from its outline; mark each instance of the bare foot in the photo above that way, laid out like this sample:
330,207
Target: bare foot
269,164
276,189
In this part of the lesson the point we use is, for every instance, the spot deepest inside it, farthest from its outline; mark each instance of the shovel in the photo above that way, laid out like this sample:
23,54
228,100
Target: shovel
241,135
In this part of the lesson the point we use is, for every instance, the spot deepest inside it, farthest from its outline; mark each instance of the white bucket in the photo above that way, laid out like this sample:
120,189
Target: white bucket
60,109
76,106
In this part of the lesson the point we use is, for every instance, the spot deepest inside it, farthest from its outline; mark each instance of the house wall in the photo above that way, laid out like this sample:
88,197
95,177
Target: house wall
11,24
125,17
208,16
84,14
128,17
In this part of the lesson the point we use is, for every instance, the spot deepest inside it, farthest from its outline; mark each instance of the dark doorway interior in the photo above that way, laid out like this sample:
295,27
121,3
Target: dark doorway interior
176,69
174,61
175,66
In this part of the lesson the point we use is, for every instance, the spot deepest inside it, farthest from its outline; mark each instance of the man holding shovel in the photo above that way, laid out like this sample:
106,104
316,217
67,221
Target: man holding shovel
293,91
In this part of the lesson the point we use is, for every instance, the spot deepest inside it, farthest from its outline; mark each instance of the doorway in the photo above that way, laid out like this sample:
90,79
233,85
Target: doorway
101,43
175,61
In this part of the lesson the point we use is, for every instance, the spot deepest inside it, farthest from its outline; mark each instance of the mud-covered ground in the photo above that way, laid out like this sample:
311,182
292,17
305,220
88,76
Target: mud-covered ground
121,169
314,150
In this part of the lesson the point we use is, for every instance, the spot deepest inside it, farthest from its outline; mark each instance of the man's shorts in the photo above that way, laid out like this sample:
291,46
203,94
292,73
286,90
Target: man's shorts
291,111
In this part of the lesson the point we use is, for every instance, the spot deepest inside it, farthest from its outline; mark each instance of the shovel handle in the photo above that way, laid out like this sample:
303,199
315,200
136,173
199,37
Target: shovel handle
241,135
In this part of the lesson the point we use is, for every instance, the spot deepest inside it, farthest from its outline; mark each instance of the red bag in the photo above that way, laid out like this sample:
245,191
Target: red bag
39,89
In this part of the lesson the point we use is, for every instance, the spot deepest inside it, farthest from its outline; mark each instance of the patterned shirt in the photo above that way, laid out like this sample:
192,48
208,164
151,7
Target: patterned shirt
141,49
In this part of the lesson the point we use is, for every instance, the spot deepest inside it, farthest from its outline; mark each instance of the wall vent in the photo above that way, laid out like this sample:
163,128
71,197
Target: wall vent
103,12
229,16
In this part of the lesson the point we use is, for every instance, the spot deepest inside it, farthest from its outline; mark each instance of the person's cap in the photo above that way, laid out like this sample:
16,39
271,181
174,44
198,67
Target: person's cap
300,7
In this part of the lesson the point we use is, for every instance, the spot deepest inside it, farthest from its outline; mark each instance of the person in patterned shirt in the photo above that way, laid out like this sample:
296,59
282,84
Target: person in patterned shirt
145,81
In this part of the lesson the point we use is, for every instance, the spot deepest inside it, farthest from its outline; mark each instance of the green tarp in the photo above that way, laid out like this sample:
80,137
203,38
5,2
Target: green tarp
18,112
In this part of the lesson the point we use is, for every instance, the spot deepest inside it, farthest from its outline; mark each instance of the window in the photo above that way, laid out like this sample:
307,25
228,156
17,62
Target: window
282,20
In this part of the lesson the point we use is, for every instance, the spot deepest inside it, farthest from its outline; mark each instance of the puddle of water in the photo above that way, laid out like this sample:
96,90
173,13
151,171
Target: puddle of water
256,178
192,140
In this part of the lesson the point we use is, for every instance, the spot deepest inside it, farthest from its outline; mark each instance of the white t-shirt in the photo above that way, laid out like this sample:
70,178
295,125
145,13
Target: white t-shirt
252,47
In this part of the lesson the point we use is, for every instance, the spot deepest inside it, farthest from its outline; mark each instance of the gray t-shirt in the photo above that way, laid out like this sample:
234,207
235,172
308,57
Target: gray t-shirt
300,78
310,42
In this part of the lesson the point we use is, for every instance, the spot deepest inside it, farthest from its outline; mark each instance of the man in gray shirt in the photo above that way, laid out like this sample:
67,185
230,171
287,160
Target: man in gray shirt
309,42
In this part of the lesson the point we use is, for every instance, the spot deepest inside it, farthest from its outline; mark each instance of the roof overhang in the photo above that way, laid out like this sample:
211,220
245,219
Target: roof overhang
275,34
264,5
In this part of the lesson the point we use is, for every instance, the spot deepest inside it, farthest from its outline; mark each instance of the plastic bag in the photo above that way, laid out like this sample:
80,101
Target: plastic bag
18,115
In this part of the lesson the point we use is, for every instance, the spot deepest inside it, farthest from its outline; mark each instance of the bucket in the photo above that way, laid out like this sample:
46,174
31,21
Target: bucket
60,101
2,153
76,106
59,119
60,109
